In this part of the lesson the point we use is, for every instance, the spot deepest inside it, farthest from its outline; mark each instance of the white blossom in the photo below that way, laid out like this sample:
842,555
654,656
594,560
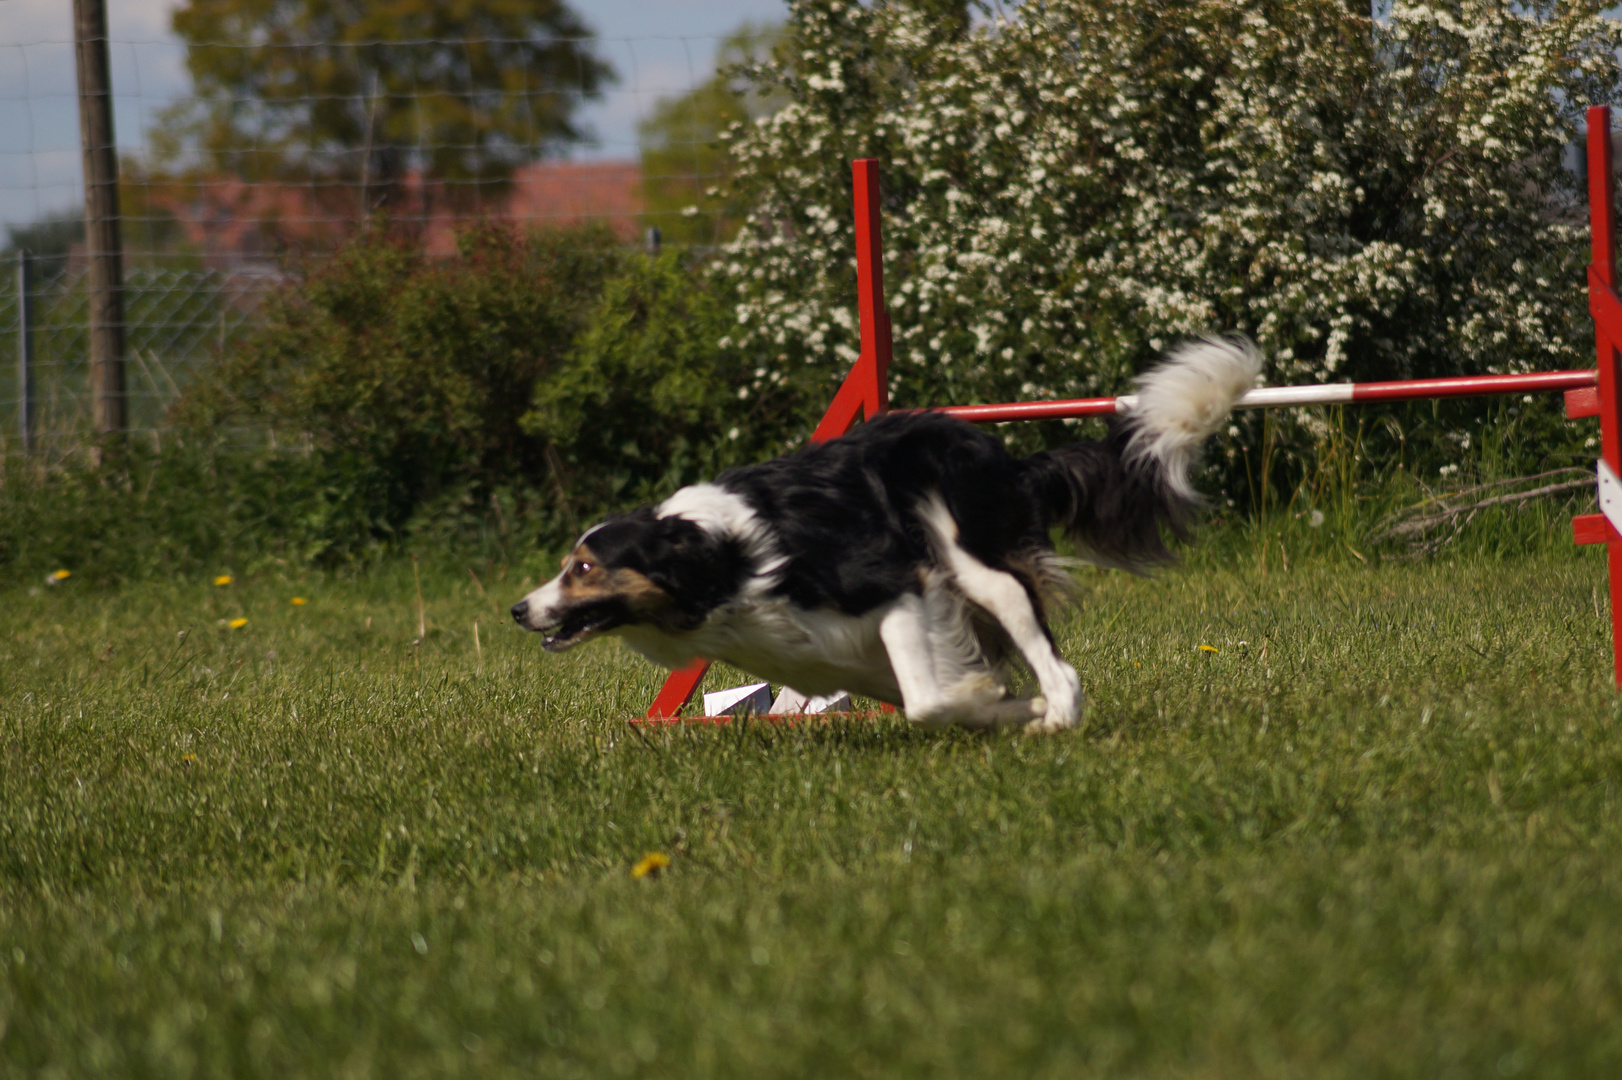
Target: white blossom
1081,189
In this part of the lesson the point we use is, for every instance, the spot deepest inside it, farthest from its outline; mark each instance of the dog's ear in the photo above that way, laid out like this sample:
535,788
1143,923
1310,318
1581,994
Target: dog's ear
698,571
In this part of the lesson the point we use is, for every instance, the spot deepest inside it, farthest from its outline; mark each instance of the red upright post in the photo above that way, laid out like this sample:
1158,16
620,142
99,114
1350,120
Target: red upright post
1602,271
865,389
1606,310
866,386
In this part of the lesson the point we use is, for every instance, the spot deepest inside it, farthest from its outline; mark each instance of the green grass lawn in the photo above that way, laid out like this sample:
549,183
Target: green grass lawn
1377,833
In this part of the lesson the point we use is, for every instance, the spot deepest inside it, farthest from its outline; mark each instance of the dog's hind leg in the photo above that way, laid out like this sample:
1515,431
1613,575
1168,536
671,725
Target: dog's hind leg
940,687
1002,596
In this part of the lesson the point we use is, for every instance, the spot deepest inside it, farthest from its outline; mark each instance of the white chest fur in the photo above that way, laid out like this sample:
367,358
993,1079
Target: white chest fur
815,652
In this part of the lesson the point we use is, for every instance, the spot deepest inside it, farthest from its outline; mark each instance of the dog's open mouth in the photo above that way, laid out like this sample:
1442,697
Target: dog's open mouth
578,625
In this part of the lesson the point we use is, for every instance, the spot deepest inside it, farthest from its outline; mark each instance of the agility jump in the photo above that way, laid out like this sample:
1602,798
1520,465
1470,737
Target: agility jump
1588,392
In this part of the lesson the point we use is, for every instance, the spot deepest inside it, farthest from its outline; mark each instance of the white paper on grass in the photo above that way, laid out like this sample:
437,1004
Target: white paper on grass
790,700
755,698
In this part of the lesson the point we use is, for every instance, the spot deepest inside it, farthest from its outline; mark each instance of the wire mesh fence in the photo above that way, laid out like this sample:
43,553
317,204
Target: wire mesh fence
244,149
177,321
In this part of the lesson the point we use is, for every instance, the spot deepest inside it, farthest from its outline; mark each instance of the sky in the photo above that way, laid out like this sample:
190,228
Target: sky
660,48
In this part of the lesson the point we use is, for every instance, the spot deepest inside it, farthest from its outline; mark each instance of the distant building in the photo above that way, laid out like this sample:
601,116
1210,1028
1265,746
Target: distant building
235,224
553,194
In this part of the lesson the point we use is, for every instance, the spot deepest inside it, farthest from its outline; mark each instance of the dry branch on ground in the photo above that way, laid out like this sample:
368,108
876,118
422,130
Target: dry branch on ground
1436,521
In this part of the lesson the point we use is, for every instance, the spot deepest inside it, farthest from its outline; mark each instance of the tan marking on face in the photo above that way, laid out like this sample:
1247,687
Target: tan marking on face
585,580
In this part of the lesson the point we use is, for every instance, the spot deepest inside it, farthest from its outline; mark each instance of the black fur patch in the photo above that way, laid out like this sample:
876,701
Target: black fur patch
1111,508
697,570
843,512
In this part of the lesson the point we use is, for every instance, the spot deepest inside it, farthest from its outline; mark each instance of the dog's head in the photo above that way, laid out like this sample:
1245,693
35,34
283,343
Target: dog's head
636,569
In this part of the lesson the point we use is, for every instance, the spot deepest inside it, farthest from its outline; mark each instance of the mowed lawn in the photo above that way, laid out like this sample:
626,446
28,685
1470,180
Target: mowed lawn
1378,832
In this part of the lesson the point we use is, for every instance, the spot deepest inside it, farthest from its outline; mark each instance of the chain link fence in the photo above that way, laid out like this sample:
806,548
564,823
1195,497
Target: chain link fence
177,321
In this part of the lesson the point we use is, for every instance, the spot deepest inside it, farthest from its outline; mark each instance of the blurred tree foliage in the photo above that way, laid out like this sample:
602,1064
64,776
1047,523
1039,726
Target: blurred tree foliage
49,237
686,161
683,154
363,91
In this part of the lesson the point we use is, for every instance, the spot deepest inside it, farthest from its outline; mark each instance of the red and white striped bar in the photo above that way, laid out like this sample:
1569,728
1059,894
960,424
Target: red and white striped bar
1276,397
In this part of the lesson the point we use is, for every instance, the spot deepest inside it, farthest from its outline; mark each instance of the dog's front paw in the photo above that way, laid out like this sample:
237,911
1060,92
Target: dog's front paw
1047,725
1062,713
1009,711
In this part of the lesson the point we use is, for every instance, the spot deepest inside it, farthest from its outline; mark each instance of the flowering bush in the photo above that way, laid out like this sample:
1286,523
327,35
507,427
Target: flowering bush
1070,189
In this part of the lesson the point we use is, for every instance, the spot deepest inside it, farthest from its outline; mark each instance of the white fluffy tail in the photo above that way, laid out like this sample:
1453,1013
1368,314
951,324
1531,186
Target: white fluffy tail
1183,401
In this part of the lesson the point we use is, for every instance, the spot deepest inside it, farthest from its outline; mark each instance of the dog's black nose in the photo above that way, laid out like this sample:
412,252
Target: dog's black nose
520,610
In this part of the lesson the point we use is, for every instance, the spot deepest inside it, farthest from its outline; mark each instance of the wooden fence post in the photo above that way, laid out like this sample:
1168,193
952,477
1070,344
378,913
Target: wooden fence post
109,407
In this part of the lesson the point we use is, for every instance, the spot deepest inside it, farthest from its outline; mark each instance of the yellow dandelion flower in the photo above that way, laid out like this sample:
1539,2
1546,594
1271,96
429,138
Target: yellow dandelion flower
237,624
1209,648
651,863
298,601
61,575
188,759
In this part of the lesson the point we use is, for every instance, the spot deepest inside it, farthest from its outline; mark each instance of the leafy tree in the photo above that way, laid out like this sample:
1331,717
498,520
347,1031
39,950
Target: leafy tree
51,237
148,231
48,239
686,162
361,91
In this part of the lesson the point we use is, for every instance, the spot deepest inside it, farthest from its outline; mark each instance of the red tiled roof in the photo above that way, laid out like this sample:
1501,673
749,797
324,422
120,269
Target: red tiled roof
232,221
553,194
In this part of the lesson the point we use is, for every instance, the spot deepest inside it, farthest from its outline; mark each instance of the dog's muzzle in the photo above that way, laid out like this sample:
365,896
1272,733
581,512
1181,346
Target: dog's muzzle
567,626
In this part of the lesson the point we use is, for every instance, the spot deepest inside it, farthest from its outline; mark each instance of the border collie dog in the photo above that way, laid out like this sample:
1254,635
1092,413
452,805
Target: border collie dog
910,561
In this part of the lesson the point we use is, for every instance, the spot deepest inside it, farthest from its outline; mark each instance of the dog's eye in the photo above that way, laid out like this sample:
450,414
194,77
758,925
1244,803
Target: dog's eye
582,568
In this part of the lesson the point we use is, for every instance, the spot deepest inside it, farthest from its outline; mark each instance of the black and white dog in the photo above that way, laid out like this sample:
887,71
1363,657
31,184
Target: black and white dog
909,560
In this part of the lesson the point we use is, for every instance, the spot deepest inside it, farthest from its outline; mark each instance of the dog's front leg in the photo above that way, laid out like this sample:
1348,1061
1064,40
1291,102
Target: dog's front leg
975,698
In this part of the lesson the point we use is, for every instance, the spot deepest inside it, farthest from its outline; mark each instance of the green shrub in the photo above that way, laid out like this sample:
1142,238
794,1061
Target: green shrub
517,392
408,376
191,509
648,398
